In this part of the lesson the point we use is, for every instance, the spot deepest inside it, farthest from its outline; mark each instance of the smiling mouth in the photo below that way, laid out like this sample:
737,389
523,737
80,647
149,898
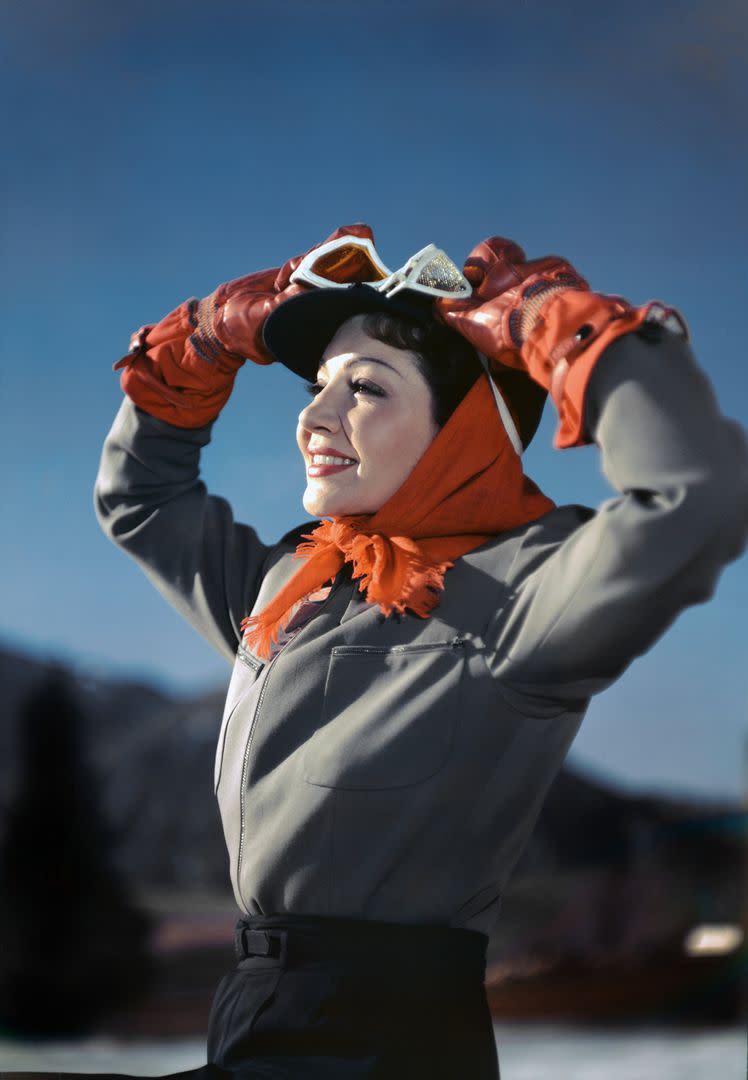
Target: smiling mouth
328,469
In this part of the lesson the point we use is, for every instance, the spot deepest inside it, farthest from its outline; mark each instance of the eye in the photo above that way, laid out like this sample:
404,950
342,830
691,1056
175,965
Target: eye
360,386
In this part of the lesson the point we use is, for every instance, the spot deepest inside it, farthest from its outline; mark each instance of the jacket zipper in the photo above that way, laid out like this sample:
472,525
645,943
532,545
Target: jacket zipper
252,727
249,660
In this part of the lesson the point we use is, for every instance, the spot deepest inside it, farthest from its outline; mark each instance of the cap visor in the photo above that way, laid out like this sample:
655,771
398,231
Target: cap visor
299,330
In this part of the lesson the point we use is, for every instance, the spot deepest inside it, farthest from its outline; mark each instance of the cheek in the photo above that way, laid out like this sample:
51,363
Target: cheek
395,445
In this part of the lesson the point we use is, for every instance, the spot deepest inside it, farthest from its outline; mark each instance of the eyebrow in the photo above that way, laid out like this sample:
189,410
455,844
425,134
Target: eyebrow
364,359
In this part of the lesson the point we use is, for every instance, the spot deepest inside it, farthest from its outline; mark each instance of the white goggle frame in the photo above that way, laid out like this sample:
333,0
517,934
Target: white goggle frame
389,282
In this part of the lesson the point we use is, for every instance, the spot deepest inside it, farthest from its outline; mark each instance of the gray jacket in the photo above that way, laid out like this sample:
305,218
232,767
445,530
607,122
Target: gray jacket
393,768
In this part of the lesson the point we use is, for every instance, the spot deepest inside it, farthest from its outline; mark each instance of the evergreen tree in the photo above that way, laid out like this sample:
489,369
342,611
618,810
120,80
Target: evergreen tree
73,945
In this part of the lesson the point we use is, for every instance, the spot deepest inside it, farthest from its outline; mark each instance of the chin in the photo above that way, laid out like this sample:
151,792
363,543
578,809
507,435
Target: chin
321,507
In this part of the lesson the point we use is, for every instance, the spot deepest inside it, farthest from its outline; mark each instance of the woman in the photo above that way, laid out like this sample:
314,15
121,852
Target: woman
410,671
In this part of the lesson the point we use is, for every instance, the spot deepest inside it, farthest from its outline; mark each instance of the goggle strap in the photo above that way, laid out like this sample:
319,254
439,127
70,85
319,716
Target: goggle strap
506,417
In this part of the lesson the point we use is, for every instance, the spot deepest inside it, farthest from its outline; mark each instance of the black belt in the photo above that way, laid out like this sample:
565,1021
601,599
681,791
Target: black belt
361,943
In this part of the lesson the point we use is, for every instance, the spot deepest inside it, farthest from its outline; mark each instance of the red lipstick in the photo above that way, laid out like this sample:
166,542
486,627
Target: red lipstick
327,470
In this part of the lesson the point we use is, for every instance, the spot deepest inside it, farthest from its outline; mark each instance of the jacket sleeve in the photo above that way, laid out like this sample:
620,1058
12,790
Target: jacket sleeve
580,610
150,501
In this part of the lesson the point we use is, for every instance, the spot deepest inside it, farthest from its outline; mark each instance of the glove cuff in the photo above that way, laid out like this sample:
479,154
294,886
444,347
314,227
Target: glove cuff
523,318
165,375
205,340
573,331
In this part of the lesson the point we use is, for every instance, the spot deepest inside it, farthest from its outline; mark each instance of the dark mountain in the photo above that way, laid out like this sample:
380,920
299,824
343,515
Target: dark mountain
152,757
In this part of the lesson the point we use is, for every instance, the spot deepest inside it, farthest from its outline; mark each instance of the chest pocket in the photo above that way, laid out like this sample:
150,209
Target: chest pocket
246,669
388,718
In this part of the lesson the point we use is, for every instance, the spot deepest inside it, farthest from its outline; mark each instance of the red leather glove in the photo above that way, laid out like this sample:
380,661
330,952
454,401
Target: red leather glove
542,318
182,369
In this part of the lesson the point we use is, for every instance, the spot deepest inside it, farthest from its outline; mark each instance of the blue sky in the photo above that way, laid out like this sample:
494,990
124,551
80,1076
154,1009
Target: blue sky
156,149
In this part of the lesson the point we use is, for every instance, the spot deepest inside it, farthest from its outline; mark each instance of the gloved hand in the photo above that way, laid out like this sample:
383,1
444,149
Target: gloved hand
542,318
182,369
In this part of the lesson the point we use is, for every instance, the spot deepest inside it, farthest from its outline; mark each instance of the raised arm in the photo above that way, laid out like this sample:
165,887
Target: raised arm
150,501
609,591
582,606
149,498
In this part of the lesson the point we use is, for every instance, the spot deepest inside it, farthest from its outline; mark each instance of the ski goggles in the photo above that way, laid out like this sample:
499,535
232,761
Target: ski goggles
353,260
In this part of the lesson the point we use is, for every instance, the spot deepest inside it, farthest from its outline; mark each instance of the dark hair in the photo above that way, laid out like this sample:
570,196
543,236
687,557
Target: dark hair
448,363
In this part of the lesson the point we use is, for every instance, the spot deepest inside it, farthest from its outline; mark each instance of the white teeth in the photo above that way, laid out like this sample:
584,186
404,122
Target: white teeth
328,459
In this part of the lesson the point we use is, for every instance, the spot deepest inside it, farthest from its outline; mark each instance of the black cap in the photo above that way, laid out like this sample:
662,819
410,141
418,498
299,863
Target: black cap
298,331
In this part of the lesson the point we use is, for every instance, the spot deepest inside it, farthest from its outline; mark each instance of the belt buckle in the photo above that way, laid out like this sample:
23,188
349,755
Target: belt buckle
270,944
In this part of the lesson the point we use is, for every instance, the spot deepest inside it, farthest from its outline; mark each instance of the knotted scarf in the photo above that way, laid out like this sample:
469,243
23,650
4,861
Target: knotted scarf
467,487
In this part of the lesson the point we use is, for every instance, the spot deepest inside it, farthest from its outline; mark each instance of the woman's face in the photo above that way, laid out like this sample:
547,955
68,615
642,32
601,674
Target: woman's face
372,412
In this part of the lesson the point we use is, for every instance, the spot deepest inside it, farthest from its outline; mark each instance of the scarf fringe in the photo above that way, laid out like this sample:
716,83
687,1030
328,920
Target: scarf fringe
262,631
420,586
259,636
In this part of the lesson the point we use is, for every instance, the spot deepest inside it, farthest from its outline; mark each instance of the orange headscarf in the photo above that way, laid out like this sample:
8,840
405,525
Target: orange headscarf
467,487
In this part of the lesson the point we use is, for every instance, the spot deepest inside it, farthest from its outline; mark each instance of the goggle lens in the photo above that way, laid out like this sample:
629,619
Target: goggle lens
441,273
347,265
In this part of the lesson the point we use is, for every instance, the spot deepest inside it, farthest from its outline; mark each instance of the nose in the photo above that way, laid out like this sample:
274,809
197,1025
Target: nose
320,414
